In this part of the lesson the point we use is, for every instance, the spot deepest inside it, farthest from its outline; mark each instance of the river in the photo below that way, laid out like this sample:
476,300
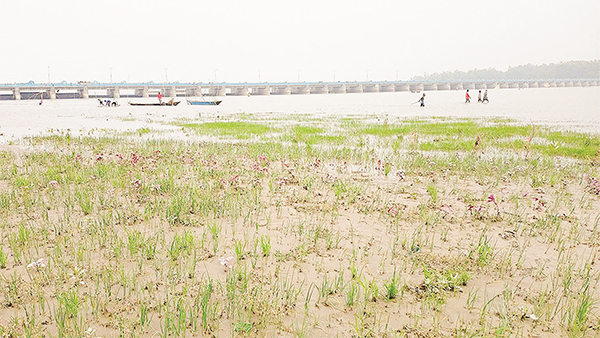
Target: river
567,109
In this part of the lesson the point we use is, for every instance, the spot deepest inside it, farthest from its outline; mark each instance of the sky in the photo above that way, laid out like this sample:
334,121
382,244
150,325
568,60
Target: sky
281,40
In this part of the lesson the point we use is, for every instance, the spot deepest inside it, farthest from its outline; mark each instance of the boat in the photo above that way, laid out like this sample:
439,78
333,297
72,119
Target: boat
203,103
169,103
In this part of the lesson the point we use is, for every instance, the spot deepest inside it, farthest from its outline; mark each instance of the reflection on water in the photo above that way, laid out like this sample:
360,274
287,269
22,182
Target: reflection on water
566,108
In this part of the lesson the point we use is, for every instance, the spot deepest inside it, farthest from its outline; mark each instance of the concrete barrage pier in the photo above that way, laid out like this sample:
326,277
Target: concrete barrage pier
86,90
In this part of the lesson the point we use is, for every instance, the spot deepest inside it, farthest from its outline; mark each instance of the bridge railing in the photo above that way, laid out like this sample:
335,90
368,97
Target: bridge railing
250,84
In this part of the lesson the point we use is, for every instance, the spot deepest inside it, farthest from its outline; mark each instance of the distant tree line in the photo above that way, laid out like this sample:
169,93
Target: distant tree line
562,70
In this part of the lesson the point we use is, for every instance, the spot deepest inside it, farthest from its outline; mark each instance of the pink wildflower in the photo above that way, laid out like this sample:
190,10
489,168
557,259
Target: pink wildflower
393,211
37,264
401,174
225,262
446,208
492,199
136,183
135,158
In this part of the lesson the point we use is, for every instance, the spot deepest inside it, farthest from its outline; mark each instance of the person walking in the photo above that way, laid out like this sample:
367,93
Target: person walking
479,97
485,97
467,97
422,100
159,97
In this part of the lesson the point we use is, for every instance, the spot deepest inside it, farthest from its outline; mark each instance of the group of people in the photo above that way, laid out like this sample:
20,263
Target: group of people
483,99
479,99
107,103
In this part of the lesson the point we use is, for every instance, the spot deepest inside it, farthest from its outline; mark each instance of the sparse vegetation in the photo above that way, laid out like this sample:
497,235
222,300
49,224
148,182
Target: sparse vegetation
301,226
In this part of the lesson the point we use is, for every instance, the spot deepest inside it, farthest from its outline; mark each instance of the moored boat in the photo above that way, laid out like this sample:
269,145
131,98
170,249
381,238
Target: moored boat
203,103
169,103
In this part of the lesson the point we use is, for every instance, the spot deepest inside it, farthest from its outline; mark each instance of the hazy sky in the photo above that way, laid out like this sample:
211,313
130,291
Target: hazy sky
310,40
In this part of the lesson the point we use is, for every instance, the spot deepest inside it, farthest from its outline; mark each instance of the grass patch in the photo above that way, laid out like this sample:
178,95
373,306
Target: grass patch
239,130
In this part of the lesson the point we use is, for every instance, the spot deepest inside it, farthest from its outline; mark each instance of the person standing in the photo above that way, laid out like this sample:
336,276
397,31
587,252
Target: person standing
159,97
479,97
467,97
485,97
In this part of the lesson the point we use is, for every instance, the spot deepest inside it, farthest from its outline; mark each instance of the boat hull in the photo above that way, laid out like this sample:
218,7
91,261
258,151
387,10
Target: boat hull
204,103
154,104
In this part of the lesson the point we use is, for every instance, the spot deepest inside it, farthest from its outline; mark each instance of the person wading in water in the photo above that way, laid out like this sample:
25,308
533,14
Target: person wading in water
485,98
422,100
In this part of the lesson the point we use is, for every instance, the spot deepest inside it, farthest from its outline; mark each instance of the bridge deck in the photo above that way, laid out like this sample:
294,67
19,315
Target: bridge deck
30,90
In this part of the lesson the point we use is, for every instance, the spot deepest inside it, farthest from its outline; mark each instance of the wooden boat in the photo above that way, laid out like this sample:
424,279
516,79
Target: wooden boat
169,103
203,103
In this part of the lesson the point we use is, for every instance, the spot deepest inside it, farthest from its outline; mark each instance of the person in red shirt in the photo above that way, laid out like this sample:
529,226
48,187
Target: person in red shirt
159,97
467,97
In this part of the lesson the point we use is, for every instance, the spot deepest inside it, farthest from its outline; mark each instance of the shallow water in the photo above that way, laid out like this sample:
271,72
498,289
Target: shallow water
576,109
